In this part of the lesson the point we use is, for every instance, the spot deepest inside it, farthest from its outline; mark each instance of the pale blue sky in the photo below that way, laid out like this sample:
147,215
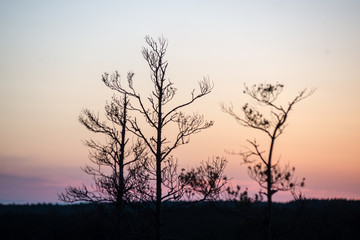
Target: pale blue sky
52,55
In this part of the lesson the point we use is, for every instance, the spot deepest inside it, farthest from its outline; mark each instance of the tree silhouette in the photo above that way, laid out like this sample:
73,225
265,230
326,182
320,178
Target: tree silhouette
268,174
206,181
158,113
116,166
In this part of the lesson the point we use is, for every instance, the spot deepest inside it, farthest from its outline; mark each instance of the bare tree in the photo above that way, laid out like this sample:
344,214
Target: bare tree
261,167
158,114
116,167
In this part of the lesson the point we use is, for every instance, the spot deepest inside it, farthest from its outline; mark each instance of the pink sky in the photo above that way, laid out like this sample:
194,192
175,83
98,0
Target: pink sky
53,55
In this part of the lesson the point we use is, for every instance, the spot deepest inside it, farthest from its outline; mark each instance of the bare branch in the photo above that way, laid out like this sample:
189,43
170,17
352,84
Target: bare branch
253,119
205,88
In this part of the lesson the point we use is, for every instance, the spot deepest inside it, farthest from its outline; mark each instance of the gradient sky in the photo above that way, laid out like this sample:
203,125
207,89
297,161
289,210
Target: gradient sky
52,55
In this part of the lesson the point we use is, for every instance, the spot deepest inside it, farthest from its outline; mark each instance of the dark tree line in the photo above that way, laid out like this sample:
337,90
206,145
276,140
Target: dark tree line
320,219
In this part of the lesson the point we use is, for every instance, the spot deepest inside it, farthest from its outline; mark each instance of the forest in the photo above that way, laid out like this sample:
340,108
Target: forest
306,219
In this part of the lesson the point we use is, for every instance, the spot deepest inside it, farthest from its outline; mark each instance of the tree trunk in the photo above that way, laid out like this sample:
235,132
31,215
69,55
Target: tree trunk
268,217
121,184
158,202
119,220
158,168
269,189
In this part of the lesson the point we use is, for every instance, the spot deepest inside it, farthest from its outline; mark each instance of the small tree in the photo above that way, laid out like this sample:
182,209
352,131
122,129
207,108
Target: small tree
159,114
116,167
205,182
268,174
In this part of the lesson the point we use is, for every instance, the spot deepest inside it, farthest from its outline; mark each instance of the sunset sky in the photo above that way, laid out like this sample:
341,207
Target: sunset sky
53,53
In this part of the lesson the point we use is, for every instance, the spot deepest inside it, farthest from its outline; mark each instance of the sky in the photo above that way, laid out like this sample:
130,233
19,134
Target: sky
53,53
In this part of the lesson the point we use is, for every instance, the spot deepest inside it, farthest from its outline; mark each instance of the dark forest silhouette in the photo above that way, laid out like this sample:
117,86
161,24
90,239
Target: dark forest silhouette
319,219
